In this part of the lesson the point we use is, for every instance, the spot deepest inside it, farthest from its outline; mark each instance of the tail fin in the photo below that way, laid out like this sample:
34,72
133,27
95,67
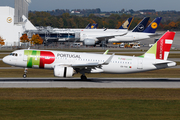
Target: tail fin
160,50
153,26
28,24
88,26
94,26
141,26
127,23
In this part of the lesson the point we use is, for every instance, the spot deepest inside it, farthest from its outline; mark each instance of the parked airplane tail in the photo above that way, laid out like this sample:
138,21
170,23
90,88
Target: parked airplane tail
160,50
153,26
88,26
127,23
142,25
94,26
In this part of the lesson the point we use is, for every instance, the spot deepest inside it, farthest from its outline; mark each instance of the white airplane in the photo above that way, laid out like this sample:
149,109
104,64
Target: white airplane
66,64
98,36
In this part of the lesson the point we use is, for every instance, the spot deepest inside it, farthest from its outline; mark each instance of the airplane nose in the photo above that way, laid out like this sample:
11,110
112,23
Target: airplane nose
5,60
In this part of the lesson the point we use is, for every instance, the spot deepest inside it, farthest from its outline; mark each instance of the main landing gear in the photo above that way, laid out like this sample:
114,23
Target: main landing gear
25,71
83,77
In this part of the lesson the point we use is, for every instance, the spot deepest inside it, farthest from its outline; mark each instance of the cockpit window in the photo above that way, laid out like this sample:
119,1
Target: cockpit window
14,54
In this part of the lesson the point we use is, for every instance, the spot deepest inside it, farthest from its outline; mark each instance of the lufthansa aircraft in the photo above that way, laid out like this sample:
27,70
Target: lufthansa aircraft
139,32
66,64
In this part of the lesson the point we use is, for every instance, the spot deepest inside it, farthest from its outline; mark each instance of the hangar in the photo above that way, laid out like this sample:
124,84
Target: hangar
14,22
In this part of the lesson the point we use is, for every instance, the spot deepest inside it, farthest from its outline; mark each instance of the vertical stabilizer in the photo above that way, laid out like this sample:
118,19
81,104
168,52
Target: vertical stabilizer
94,26
153,26
88,26
28,24
142,25
127,23
160,50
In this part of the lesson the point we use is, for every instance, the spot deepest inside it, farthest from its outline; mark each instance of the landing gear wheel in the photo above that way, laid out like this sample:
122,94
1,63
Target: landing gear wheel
24,75
83,77
25,71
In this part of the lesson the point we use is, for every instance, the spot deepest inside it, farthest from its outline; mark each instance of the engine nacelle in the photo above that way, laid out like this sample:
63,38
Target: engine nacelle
89,42
61,71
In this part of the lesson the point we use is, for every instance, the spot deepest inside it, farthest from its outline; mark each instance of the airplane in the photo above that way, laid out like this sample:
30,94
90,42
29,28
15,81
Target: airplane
98,36
139,33
66,64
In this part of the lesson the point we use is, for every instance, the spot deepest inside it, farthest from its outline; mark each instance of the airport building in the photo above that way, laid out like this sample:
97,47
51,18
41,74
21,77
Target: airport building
14,22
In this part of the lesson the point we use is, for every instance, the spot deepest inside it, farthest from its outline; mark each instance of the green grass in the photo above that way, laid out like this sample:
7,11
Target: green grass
164,73
89,104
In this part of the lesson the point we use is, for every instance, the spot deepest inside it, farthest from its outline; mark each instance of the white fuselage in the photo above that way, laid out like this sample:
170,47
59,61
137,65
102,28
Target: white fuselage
118,64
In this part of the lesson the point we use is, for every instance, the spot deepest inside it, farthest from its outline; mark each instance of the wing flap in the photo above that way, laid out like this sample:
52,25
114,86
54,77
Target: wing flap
111,36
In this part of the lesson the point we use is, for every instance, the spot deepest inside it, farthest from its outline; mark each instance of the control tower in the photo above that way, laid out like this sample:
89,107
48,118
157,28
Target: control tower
21,8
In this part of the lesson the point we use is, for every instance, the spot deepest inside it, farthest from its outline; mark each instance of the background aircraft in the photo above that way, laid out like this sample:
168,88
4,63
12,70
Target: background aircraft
97,36
66,64
139,32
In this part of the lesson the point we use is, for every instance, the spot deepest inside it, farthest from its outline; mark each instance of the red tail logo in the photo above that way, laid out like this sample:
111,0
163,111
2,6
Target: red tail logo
164,45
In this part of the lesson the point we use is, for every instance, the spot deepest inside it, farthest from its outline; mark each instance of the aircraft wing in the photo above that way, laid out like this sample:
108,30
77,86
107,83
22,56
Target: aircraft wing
93,64
109,37
89,65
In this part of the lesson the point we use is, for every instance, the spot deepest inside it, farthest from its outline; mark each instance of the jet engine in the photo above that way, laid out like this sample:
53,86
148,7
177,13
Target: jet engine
89,41
61,71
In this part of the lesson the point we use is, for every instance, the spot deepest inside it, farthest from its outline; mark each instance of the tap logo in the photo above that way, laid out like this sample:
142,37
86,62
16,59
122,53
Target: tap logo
9,19
39,58
154,25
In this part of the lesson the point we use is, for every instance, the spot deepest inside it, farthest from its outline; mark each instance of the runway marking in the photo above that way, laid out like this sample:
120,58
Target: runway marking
23,82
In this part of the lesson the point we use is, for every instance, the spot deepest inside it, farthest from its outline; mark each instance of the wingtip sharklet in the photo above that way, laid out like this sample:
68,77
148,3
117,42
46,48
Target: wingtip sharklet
108,60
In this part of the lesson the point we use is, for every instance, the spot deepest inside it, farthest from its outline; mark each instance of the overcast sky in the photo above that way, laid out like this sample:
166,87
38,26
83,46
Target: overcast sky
104,5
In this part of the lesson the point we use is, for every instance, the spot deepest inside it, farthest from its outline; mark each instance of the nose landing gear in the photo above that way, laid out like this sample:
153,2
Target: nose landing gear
25,71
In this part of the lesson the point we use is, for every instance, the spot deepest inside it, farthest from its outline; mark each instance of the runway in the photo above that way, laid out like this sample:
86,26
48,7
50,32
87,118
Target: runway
90,83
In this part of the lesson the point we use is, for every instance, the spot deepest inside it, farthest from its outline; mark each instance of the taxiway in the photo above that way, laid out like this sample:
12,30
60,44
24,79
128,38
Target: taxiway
90,83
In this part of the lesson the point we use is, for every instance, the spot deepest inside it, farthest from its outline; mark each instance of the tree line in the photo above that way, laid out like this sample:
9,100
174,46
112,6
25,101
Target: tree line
114,21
